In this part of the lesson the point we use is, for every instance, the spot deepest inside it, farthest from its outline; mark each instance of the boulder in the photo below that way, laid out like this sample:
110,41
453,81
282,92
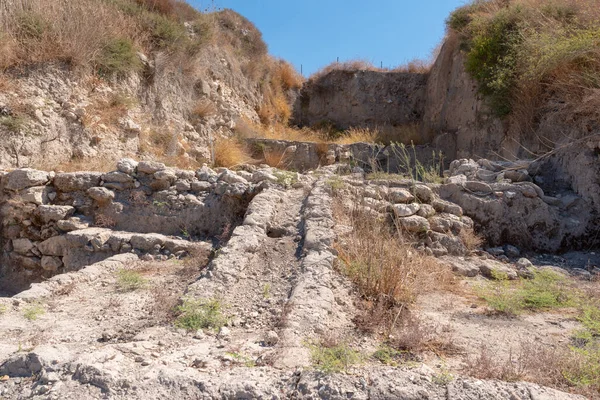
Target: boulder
150,167
24,178
399,195
55,246
426,211
405,210
76,181
51,263
101,194
423,193
72,224
231,177
117,177
50,213
22,246
127,166
415,224
496,270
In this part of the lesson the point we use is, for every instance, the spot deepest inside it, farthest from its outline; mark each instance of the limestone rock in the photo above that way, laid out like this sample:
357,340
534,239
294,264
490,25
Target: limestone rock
101,194
150,167
426,211
49,213
127,166
230,177
405,210
76,181
423,193
20,179
415,224
117,176
495,270
72,224
399,195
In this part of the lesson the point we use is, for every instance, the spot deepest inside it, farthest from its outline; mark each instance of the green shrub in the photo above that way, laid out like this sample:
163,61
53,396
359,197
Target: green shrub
333,359
389,356
166,32
201,314
128,280
118,57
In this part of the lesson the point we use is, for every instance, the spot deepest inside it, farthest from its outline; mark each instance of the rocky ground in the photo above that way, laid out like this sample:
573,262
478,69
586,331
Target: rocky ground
113,330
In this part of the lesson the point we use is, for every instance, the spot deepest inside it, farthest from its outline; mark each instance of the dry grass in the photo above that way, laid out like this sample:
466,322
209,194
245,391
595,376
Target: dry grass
382,262
204,108
532,362
230,153
104,163
104,221
471,239
415,66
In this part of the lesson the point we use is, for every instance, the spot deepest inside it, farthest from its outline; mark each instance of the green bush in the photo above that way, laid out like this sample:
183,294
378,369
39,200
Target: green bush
13,123
33,312
118,57
166,32
201,314
32,26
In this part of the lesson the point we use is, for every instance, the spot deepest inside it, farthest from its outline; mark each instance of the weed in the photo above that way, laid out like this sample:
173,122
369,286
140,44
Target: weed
118,57
470,239
335,183
333,359
546,290
242,359
129,281
286,178
14,124
33,312
443,377
266,291
201,314
3,309
389,356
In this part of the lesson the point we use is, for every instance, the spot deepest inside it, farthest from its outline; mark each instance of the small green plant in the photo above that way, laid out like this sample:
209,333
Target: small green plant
129,281
13,123
242,359
159,204
333,359
286,178
201,314
118,57
443,377
546,290
335,183
166,32
389,356
267,290
33,312
3,309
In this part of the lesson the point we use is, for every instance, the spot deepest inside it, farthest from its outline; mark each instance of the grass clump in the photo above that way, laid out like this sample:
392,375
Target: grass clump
129,281
3,309
33,312
13,123
286,178
546,290
390,356
118,57
333,358
229,153
201,314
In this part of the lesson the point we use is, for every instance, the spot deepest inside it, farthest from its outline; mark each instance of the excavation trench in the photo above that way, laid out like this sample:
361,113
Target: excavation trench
78,219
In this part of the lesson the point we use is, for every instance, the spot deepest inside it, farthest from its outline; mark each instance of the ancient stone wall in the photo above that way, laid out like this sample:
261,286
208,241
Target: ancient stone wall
58,222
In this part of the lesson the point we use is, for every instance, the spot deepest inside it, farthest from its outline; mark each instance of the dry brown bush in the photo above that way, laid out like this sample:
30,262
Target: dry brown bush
383,263
471,239
104,221
230,152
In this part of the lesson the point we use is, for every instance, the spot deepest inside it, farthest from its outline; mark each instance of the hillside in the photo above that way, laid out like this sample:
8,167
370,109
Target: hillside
90,81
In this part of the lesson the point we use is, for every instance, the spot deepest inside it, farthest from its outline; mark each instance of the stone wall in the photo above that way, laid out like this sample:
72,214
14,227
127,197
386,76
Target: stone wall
57,222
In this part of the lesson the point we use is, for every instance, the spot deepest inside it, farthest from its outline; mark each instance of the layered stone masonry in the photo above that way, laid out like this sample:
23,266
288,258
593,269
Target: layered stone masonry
58,222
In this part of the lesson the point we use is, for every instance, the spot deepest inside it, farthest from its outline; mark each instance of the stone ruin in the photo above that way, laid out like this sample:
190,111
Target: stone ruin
54,223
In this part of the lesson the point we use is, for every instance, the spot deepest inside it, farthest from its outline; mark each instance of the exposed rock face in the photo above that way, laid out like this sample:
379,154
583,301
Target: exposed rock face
362,98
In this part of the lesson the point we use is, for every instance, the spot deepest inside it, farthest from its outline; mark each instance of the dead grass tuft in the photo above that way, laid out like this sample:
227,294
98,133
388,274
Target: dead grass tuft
470,239
230,152
204,108
382,262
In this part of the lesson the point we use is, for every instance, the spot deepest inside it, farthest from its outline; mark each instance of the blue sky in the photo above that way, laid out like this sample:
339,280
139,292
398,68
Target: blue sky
313,33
